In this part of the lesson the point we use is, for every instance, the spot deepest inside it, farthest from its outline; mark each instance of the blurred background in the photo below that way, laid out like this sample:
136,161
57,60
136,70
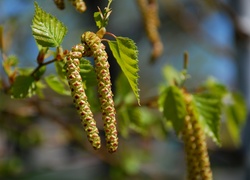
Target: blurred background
42,138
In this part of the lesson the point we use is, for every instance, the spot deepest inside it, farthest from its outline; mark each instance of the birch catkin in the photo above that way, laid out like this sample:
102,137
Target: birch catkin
93,42
79,96
79,5
149,11
198,165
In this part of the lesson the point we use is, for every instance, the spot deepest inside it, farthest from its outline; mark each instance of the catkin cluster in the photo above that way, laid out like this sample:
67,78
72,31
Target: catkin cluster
198,165
96,49
79,96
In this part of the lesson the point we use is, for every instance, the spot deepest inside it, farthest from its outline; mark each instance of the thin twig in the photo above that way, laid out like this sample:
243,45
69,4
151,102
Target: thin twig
41,65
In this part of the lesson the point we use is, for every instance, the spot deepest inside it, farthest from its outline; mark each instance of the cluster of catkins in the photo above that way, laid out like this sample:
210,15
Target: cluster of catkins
91,46
198,165
78,4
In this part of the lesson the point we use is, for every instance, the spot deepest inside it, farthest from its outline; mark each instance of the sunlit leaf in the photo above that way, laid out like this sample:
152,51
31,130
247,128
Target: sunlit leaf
57,85
215,88
174,107
172,76
208,111
47,30
98,19
125,52
60,70
123,92
235,112
87,73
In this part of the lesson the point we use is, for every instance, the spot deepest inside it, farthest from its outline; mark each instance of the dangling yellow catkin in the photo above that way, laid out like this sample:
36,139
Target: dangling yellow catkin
97,49
198,165
79,96
149,11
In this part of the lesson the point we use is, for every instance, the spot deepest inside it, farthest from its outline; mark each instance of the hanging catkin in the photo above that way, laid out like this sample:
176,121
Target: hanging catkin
79,5
198,165
93,42
149,11
79,96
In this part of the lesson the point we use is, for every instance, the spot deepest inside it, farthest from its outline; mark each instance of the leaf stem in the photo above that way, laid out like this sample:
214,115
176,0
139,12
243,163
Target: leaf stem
111,34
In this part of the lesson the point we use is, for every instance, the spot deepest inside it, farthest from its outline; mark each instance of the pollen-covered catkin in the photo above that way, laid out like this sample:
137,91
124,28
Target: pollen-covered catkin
92,41
79,5
201,152
193,171
79,96
198,165
149,11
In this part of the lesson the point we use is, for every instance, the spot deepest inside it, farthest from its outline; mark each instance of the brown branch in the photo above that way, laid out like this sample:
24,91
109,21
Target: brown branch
41,65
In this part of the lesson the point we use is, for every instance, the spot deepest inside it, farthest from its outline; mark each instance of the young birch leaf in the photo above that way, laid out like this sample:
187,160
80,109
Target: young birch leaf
56,85
125,52
208,110
23,86
172,76
87,73
236,112
47,30
98,19
174,109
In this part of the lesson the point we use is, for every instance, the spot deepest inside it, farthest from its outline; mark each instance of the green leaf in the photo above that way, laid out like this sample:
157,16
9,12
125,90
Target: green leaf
38,74
207,108
56,85
39,89
60,69
216,88
123,92
87,73
26,71
23,86
142,120
174,107
98,19
47,30
236,114
125,52
172,76
91,93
